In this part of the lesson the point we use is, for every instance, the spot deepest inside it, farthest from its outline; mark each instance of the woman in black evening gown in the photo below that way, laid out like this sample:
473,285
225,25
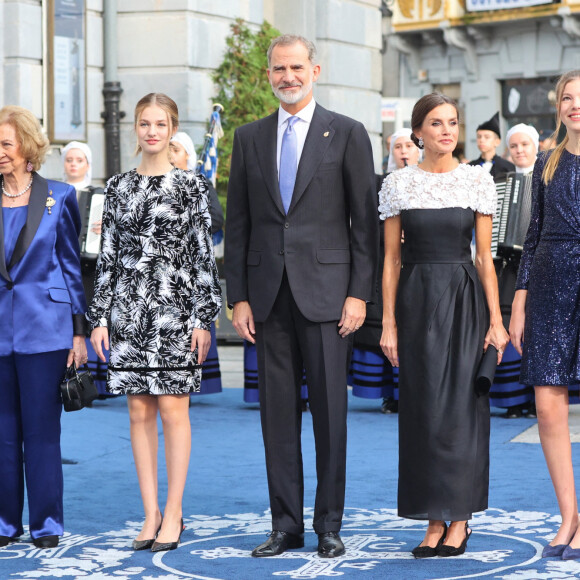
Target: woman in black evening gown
546,307
436,326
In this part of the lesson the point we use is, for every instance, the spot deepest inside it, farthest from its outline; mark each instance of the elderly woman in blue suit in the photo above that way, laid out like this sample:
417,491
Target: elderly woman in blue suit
42,328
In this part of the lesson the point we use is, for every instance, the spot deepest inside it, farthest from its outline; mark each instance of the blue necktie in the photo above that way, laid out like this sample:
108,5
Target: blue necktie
288,163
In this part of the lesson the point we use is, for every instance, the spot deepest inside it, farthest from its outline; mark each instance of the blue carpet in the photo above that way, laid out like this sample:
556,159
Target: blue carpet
225,506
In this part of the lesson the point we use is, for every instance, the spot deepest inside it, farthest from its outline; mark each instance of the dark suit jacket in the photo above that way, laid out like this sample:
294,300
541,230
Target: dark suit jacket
499,168
41,292
328,241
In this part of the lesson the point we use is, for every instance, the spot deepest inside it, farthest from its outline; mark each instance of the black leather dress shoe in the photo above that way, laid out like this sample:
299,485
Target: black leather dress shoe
389,406
45,542
277,543
531,411
330,545
514,412
5,540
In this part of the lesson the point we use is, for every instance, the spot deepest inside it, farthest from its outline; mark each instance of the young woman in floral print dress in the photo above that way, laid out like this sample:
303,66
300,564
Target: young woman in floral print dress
157,292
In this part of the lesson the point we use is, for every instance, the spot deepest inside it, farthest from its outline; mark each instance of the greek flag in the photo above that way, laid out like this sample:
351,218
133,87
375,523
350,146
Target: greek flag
210,160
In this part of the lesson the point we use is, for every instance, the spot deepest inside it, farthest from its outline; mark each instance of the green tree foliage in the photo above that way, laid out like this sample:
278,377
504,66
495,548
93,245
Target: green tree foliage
244,90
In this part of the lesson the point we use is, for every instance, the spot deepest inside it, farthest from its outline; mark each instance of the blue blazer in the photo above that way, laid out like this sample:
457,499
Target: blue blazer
42,302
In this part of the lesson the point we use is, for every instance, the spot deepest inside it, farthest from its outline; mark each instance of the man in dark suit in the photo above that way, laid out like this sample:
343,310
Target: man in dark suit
488,140
301,243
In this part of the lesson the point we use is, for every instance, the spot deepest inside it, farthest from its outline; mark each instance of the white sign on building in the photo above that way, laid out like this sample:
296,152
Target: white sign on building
481,5
397,111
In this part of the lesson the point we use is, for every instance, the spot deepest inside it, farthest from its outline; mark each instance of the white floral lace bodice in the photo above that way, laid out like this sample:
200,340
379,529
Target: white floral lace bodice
466,186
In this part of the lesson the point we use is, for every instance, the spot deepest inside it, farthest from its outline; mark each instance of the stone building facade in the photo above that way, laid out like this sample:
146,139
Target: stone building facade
490,58
173,46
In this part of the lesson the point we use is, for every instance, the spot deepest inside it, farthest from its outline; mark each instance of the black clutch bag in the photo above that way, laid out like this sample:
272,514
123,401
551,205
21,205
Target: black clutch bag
77,389
486,371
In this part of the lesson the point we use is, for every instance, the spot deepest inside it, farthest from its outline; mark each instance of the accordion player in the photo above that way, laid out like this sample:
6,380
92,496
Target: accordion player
514,205
510,225
91,201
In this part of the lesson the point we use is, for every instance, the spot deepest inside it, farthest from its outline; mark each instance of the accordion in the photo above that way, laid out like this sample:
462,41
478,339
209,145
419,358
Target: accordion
512,217
91,202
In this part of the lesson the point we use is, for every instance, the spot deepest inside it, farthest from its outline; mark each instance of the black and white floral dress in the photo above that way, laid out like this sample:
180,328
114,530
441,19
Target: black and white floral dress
156,281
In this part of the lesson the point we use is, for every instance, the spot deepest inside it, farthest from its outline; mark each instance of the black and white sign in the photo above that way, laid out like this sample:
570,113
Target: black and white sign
68,72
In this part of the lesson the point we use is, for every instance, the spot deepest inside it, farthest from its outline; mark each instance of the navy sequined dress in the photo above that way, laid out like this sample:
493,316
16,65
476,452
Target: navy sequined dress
550,271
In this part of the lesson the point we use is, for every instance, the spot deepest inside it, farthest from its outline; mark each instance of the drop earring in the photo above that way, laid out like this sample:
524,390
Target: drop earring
421,143
29,167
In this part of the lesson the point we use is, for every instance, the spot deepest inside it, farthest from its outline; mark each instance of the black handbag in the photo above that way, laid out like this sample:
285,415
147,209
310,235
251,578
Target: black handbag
486,371
78,388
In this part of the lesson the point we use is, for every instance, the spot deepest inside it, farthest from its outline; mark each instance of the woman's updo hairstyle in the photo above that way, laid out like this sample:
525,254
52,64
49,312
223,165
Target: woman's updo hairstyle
423,107
163,102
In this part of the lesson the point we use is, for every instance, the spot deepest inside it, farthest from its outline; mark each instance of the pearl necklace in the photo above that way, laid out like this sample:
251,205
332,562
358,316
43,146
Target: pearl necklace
13,195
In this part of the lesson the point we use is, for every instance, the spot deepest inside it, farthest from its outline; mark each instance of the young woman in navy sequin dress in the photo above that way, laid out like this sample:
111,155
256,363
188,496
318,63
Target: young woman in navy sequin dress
545,312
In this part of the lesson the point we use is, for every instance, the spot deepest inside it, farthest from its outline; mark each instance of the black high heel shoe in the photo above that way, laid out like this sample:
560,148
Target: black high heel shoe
146,544
446,551
428,551
165,546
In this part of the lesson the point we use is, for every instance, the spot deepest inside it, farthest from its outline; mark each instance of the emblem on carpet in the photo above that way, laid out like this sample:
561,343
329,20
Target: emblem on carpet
505,545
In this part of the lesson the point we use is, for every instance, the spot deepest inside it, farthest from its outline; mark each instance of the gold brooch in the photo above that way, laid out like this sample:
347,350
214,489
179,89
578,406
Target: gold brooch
50,201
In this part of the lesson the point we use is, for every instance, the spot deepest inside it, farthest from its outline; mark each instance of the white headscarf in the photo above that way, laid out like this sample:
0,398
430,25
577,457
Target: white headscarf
528,130
185,141
392,164
87,153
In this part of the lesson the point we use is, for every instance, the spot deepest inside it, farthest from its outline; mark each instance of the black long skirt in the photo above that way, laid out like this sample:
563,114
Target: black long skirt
441,320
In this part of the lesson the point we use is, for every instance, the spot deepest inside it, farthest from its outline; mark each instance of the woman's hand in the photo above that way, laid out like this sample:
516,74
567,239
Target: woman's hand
201,340
100,339
391,273
497,336
78,353
389,342
518,319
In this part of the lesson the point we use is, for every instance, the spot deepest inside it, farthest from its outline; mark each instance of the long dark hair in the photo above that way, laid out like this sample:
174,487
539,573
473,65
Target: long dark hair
424,106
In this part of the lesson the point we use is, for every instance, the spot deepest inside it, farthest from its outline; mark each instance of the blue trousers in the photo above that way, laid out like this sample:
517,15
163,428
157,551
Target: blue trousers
30,409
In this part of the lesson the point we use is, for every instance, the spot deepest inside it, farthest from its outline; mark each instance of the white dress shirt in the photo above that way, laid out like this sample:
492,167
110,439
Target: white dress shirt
301,127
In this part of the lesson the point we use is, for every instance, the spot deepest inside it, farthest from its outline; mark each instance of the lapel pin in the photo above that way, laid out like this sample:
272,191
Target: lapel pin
50,202
326,134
